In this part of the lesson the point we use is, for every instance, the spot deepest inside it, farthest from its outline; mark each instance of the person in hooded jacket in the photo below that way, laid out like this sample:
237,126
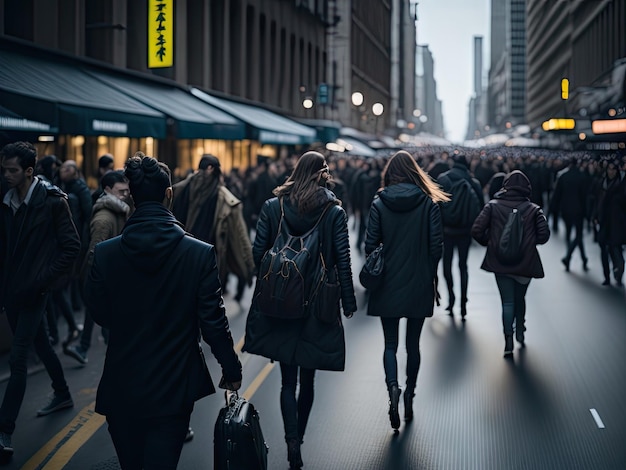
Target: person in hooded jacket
406,219
154,368
302,346
512,279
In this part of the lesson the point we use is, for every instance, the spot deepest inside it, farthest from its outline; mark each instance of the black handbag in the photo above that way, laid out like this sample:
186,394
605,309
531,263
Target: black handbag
371,275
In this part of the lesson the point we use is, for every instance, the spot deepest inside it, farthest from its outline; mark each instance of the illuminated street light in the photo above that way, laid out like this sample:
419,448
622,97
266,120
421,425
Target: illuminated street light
377,109
357,98
307,103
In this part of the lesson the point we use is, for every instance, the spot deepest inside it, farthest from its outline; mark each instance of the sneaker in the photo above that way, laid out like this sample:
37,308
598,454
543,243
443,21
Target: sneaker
6,449
56,403
77,353
508,345
189,435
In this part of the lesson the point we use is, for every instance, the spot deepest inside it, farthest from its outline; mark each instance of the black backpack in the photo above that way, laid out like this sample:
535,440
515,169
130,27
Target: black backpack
463,207
290,272
509,249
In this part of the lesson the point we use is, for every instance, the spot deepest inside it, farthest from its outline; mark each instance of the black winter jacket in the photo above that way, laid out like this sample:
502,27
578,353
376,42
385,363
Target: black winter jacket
490,222
447,180
39,245
154,365
308,342
408,224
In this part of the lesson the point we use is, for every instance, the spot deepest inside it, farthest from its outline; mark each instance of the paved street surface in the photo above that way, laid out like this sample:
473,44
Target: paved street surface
558,404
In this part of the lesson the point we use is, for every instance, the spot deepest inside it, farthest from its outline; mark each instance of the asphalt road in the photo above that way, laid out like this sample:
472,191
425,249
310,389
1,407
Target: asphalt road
558,404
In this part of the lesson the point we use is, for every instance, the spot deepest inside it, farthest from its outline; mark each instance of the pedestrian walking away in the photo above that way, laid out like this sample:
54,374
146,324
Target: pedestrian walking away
39,245
154,368
458,217
512,277
307,344
405,218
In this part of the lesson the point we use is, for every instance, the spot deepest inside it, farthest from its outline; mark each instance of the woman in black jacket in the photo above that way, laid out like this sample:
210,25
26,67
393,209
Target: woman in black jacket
406,219
512,278
302,345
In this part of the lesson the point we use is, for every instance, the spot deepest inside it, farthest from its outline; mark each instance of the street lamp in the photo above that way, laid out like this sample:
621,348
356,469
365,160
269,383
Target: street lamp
357,98
307,103
377,110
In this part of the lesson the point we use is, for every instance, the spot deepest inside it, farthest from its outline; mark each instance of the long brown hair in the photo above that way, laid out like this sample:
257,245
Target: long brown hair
402,168
310,172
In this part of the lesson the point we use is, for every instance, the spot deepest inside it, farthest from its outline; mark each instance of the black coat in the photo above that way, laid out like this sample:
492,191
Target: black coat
447,180
156,288
39,251
569,198
308,342
490,222
408,224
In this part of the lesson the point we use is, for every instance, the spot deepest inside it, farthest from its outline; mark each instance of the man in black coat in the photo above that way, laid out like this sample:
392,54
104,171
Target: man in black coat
570,201
458,237
39,245
155,369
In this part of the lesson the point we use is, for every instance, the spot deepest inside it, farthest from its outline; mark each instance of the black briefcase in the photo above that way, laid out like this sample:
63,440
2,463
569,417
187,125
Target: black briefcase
238,439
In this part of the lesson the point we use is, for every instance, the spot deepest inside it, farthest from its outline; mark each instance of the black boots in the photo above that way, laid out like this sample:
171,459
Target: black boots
293,454
408,405
394,399
508,345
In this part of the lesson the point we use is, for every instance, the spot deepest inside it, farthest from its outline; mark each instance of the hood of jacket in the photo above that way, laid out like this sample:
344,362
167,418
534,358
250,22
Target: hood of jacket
151,234
112,203
300,223
402,197
515,186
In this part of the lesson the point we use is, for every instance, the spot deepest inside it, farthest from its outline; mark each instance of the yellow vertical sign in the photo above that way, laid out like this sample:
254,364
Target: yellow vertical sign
160,33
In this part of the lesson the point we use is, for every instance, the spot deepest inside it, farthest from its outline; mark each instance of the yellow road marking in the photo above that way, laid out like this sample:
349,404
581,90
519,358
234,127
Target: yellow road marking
239,345
258,380
60,449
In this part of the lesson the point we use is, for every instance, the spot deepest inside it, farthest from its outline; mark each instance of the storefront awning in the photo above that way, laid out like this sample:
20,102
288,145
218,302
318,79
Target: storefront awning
194,118
11,121
327,130
59,92
262,125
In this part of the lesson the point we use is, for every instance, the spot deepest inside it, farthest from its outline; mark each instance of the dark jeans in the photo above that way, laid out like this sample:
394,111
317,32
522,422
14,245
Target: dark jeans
148,443
28,329
578,239
390,362
462,244
296,411
512,294
617,258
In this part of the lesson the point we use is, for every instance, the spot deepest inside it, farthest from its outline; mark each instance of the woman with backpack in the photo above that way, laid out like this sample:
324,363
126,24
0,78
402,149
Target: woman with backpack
511,227
405,218
313,338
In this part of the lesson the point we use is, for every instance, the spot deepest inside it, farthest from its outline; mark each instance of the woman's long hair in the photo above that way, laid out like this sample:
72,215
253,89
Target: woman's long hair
402,168
310,173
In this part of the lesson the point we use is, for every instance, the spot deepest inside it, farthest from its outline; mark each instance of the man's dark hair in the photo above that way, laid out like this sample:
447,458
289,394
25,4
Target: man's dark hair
25,152
105,161
112,177
148,178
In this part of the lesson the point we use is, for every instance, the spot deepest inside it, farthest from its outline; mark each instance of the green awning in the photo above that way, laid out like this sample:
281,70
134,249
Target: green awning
194,119
327,130
58,91
262,125
11,121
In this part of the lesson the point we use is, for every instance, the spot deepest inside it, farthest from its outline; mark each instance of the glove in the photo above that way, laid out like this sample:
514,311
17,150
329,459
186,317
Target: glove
232,386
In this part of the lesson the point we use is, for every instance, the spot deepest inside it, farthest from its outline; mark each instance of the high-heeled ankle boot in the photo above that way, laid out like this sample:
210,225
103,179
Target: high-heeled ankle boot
394,399
293,454
408,405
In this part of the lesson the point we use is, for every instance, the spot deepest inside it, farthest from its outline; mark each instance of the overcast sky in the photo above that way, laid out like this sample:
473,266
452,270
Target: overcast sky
448,28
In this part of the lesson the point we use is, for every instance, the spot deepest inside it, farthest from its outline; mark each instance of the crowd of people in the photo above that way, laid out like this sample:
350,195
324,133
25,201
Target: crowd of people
60,254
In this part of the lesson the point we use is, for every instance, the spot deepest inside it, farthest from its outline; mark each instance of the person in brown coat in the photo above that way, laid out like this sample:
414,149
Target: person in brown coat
512,279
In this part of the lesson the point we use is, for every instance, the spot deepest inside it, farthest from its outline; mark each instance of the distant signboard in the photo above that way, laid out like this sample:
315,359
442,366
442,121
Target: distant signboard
160,33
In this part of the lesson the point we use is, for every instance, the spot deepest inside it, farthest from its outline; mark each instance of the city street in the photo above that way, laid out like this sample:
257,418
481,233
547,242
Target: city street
558,404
